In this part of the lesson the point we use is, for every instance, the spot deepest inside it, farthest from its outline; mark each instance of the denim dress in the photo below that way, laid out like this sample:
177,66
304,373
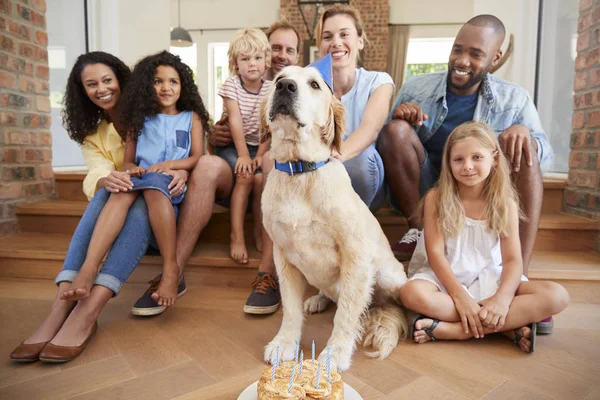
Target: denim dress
163,138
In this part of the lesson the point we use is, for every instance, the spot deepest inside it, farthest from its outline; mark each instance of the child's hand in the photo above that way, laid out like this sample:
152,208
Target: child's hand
257,162
160,167
137,172
494,310
468,310
244,166
166,294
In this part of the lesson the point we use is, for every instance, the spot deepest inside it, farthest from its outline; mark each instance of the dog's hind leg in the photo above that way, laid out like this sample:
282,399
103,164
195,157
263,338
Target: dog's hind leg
317,303
293,285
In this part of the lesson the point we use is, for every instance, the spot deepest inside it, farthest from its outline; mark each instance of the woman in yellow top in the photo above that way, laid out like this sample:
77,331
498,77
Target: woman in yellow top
90,115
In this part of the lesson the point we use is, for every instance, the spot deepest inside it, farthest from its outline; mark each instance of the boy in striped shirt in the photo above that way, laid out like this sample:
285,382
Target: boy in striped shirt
242,93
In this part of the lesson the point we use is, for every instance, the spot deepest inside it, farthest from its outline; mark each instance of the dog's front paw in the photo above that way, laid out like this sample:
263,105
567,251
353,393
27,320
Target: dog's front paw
340,358
316,304
287,351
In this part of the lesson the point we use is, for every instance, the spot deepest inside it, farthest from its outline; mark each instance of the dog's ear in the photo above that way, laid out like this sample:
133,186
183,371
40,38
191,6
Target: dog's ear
264,130
336,125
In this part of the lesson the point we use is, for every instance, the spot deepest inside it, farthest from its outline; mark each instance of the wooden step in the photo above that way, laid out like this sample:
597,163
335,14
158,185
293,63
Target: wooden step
41,256
69,187
62,216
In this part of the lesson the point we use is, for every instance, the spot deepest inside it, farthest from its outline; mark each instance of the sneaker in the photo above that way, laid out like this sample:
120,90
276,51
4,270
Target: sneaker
146,306
405,247
545,326
265,297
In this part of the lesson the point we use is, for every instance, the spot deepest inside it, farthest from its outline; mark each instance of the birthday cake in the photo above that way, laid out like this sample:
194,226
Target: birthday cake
300,380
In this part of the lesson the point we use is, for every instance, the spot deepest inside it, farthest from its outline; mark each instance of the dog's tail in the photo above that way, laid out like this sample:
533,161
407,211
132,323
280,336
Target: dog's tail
383,327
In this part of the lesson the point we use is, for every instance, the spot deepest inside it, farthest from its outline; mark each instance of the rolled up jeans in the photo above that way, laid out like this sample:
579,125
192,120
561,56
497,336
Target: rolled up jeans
125,253
367,177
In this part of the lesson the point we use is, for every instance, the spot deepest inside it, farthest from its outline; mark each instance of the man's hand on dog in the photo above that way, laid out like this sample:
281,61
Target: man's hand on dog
411,113
244,166
515,141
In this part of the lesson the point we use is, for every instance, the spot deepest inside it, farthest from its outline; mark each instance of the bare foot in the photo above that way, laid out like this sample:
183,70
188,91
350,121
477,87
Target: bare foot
258,237
525,342
238,251
166,294
81,286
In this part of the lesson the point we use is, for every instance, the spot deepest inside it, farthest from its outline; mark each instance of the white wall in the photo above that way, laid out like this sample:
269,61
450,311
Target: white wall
410,12
220,14
129,29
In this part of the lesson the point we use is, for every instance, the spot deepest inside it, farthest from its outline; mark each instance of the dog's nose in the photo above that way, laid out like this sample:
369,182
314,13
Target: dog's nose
287,85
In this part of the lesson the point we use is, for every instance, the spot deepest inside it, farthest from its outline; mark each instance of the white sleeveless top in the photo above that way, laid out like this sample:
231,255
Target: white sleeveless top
474,256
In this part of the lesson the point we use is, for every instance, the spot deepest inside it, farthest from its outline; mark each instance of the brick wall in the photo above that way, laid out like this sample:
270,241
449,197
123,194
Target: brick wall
375,15
25,139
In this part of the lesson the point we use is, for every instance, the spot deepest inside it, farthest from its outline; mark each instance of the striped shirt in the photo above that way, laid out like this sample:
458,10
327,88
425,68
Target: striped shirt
249,104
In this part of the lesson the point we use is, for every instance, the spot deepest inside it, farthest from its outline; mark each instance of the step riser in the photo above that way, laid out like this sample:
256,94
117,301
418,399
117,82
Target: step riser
553,201
209,275
70,190
217,231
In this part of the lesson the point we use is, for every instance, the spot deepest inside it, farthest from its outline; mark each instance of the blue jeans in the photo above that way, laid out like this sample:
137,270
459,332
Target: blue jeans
367,177
126,251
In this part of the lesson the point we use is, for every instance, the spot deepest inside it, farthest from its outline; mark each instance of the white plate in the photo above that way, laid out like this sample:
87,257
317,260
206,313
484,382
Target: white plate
250,393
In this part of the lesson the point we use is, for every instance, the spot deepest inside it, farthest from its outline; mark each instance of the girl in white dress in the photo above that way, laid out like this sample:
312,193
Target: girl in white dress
465,277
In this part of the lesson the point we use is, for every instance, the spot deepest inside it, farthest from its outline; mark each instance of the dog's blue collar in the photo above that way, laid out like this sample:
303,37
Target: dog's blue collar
298,167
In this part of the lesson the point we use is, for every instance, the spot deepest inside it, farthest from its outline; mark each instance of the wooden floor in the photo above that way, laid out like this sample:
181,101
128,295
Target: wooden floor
207,348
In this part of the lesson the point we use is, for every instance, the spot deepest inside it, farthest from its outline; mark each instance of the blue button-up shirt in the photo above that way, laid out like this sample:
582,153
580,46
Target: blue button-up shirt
500,104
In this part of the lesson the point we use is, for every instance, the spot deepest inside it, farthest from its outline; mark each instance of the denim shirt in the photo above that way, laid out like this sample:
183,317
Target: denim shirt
500,104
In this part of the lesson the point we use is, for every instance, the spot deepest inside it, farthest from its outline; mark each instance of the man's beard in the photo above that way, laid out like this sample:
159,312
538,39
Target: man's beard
473,79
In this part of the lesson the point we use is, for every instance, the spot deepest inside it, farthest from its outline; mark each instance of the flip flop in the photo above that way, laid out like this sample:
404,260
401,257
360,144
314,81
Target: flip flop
428,331
519,336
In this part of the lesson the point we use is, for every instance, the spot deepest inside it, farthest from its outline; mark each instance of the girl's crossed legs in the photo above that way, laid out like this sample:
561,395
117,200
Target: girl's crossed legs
532,301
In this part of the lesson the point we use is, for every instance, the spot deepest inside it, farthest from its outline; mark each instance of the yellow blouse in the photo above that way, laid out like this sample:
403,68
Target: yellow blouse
103,152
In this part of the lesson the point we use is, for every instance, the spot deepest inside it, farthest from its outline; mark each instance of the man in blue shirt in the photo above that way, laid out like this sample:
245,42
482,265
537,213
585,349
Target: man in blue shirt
429,107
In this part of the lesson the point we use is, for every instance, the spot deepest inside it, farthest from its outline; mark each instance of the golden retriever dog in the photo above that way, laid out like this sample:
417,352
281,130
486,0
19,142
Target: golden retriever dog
322,231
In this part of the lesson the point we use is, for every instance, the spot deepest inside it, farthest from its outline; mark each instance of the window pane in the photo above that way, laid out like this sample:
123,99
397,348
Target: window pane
426,55
558,43
218,67
66,41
